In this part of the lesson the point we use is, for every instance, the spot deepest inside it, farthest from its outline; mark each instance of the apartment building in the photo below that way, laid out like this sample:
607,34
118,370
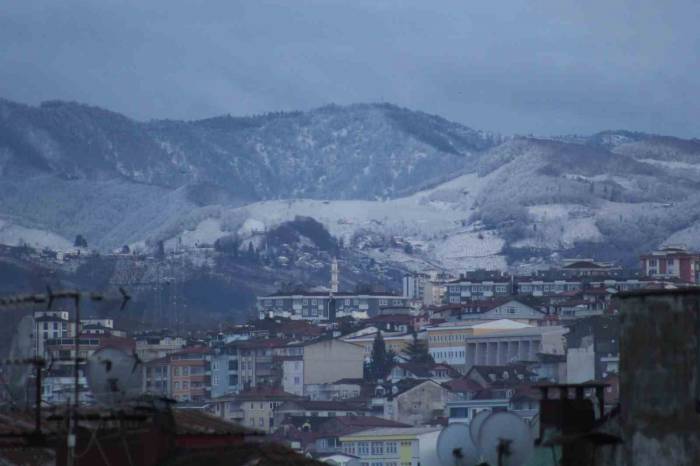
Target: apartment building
190,374
672,262
393,446
326,306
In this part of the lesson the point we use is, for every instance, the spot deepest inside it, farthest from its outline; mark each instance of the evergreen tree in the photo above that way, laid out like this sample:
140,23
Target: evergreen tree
382,359
417,352
80,242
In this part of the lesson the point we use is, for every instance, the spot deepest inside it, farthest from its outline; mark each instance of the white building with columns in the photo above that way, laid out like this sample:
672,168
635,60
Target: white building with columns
508,346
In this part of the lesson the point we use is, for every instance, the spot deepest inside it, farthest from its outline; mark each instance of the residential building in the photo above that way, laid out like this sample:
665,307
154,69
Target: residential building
257,406
436,372
329,360
416,402
58,380
413,285
301,408
329,432
592,348
190,374
522,309
342,389
157,377
393,446
394,341
326,306
256,361
50,325
523,401
672,262
589,268
547,285
224,371
293,374
477,287
464,410
156,346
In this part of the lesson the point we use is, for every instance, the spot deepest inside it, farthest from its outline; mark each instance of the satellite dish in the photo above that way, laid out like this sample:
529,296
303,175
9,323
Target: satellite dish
114,376
507,436
455,446
475,425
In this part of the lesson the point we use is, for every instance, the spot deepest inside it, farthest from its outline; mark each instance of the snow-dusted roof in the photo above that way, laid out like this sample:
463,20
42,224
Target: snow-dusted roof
502,324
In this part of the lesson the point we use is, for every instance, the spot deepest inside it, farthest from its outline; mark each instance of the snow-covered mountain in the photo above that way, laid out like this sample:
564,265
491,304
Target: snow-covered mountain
400,186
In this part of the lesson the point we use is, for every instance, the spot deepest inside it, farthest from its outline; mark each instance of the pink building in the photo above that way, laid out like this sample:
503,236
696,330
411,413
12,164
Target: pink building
672,262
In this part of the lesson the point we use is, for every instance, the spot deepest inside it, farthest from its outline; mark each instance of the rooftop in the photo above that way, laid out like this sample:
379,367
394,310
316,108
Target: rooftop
392,431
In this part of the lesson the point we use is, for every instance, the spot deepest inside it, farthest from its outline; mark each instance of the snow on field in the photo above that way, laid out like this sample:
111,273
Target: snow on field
206,233
560,226
433,219
470,251
16,235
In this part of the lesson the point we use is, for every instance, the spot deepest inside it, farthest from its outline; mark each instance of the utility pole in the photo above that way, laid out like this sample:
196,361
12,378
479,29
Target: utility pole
73,430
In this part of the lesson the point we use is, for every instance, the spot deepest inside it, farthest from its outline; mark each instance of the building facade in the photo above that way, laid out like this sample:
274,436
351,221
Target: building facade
325,306
672,262
505,347
393,446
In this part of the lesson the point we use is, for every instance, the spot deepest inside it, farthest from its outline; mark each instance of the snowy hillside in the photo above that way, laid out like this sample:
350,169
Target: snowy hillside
397,186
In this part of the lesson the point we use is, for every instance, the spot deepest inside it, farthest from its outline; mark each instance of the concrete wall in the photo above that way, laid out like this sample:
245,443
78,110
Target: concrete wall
331,360
659,417
419,405
580,365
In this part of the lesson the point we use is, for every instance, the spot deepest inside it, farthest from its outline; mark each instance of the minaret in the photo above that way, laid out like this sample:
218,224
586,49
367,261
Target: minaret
335,280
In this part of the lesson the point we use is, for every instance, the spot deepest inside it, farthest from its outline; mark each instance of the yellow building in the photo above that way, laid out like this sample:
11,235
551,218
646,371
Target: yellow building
393,446
394,341
446,341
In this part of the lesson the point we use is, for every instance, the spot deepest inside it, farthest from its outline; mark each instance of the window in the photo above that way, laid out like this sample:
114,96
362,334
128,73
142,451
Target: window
390,448
363,448
296,381
377,448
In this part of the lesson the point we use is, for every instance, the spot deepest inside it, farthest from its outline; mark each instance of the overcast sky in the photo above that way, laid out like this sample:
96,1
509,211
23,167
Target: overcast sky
517,66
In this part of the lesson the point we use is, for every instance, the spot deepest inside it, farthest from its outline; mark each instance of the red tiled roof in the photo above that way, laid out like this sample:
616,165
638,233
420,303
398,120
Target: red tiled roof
192,350
462,385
